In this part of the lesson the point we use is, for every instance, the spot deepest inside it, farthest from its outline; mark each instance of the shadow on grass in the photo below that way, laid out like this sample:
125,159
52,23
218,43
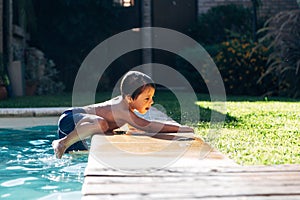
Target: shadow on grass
206,113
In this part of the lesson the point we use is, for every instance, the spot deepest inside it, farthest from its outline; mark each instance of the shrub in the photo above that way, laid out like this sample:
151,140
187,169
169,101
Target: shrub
241,64
48,83
218,24
41,74
188,70
282,35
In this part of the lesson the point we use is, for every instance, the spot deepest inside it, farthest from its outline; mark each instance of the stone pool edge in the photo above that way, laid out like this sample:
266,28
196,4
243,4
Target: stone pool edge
19,118
31,112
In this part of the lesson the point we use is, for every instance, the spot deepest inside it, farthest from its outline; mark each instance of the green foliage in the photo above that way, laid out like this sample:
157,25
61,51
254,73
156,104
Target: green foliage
49,83
4,80
282,35
218,24
42,72
241,63
35,63
226,33
189,72
67,30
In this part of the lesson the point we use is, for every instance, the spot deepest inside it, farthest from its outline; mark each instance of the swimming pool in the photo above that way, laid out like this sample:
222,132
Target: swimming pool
28,169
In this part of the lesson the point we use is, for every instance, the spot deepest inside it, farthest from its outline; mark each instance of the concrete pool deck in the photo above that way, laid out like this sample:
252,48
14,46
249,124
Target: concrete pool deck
26,117
24,122
31,112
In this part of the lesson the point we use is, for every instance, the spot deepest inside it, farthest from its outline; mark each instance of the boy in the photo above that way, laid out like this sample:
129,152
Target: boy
137,91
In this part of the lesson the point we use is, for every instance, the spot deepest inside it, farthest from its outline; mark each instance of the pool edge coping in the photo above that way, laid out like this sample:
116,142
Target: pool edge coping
32,112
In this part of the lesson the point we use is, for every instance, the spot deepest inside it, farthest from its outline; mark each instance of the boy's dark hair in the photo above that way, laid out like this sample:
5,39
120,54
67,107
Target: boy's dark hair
134,83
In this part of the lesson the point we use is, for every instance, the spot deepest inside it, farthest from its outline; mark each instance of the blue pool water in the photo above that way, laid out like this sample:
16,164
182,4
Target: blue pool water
28,169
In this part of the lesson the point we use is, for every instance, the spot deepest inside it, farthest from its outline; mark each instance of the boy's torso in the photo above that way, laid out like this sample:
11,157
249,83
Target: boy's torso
111,111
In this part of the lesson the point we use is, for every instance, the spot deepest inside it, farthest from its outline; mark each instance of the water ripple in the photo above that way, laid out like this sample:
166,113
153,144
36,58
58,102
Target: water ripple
19,181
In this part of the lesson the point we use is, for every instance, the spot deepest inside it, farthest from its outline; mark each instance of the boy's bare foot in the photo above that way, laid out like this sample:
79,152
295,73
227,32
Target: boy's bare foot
59,148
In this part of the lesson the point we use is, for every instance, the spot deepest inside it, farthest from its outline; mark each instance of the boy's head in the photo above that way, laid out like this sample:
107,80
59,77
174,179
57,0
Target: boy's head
134,83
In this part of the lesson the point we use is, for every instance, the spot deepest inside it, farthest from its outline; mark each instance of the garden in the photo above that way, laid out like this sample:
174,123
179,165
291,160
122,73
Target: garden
261,74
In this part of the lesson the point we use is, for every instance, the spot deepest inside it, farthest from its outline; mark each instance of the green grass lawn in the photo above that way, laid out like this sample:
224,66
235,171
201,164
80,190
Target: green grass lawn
262,132
256,130
63,100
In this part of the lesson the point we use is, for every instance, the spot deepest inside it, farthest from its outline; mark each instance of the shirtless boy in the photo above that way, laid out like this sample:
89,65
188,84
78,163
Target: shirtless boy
137,91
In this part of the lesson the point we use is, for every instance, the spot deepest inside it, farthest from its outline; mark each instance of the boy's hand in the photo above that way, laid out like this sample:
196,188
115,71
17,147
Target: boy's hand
185,129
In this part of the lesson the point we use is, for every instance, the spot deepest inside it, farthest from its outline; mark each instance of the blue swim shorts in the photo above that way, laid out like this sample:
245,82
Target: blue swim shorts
67,123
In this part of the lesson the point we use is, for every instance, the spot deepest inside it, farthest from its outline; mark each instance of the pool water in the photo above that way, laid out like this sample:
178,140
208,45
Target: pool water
29,170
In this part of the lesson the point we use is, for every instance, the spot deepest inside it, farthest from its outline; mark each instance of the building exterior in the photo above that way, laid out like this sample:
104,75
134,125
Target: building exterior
271,7
267,8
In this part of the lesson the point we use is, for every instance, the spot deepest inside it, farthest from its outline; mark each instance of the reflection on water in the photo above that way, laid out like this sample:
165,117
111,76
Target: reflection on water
29,170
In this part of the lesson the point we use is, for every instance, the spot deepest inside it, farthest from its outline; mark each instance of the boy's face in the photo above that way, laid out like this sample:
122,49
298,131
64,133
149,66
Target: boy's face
144,101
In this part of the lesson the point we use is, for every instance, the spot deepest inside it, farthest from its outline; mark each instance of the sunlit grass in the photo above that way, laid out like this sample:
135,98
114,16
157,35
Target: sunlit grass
263,133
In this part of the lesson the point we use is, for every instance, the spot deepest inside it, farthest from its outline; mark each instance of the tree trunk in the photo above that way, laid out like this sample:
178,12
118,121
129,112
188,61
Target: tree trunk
7,32
255,4
147,36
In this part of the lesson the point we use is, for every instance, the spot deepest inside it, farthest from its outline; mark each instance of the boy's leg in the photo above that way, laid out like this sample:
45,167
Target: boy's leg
86,127
78,146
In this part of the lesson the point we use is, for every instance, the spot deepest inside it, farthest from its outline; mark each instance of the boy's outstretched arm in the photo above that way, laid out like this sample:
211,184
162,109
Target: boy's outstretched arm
153,126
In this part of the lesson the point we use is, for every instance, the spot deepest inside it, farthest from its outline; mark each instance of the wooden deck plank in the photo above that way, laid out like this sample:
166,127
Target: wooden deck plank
207,185
185,197
190,177
203,187
144,149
